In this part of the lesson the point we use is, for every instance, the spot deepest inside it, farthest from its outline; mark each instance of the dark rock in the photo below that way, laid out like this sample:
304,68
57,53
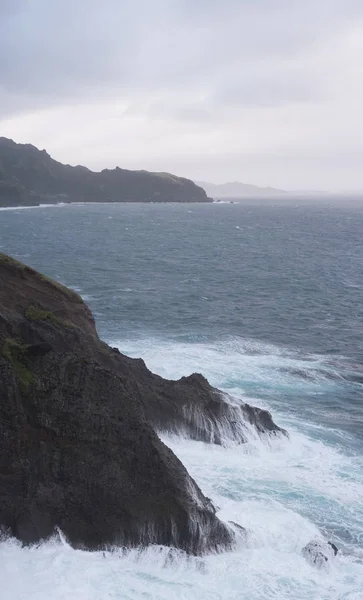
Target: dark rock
29,176
240,529
334,548
192,407
76,449
319,552
40,349
71,407
3,319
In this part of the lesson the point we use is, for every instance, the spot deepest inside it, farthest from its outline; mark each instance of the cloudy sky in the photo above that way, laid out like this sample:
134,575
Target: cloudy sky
263,91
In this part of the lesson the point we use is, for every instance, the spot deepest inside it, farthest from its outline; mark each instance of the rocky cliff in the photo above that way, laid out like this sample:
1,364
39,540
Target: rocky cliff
31,176
191,407
78,447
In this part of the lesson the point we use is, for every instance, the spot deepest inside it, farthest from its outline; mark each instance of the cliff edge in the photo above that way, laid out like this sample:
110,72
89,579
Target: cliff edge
79,448
76,450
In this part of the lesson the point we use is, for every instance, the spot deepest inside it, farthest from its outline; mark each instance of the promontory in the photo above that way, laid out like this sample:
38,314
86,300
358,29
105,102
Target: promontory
29,176
79,430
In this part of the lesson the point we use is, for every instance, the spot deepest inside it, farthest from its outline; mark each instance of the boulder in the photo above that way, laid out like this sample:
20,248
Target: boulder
318,552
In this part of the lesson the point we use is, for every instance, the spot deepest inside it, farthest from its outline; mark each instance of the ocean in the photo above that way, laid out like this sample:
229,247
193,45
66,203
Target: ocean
266,301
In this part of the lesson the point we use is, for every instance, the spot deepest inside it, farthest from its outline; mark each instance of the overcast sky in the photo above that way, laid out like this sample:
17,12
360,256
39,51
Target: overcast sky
262,91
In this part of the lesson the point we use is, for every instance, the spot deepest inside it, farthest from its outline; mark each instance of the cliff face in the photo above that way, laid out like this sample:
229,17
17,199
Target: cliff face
76,451
30,176
78,421
193,408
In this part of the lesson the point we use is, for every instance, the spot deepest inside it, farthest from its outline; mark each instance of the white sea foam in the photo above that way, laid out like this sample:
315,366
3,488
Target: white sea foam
299,475
54,205
56,571
268,565
5,208
231,361
284,492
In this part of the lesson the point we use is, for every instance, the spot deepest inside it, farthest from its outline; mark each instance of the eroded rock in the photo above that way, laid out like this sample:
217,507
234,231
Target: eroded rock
195,409
319,552
76,449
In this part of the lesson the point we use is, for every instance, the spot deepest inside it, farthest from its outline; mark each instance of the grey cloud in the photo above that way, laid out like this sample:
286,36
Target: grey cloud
272,83
269,91
193,114
11,7
54,52
58,43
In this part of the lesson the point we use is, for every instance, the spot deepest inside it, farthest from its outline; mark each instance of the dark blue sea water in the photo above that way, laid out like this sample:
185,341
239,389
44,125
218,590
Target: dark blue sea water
266,301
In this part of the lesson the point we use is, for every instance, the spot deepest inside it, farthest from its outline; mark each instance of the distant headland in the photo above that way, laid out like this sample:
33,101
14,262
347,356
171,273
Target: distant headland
29,176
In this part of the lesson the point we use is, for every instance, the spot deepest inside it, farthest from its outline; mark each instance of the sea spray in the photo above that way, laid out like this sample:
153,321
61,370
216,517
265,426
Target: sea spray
271,313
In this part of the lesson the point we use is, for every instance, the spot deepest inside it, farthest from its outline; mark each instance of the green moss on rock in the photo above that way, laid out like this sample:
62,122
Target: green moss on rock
12,263
67,291
8,261
33,313
16,354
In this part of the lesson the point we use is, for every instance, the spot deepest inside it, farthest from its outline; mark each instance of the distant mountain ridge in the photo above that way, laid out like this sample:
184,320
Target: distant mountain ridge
29,176
236,189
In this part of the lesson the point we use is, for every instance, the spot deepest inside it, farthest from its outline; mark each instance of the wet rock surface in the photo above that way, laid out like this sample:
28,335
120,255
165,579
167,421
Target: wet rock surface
78,420
319,552
195,409
76,450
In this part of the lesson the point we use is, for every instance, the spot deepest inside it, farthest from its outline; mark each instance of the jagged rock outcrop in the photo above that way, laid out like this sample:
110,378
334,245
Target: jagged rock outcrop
76,451
78,448
30,176
193,408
